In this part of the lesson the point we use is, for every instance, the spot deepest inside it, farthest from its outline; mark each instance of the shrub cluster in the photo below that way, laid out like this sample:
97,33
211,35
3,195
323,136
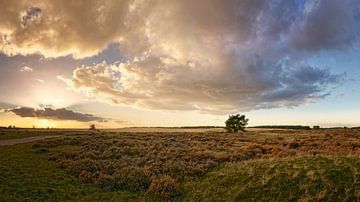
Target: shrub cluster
156,162
164,186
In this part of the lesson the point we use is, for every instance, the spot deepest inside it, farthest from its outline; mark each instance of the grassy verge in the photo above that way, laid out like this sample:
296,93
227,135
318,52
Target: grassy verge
288,179
26,175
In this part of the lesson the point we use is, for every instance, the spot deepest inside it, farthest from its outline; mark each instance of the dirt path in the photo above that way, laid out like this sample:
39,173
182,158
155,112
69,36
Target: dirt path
26,140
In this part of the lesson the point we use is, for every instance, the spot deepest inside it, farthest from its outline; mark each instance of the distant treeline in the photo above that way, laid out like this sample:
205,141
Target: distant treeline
296,127
189,127
183,127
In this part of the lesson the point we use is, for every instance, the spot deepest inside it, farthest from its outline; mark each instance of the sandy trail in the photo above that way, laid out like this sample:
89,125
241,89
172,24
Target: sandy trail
26,140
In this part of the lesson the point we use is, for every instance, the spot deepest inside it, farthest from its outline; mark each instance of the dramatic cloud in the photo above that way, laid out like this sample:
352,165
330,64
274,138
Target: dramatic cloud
212,56
26,69
83,28
54,114
58,28
156,84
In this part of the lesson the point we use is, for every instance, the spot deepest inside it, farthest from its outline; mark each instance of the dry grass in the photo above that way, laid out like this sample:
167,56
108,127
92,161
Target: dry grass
287,179
156,162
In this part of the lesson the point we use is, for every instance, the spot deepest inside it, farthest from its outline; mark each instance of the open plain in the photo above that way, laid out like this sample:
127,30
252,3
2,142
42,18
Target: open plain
257,165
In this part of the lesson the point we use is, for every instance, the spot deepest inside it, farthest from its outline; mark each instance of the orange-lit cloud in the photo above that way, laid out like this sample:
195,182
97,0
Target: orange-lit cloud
58,28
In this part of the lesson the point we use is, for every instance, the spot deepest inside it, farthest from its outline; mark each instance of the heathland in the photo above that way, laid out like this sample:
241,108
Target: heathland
110,165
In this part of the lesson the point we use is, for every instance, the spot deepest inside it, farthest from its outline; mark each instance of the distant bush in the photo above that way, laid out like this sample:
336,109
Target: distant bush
294,127
92,127
294,145
164,186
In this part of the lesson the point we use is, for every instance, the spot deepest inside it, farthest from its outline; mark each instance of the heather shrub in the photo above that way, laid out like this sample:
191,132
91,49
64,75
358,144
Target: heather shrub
164,186
129,161
86,177
132,178
294,145
105,181
75,167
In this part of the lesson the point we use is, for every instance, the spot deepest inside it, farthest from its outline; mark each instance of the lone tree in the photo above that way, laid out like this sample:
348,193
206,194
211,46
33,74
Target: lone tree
235,123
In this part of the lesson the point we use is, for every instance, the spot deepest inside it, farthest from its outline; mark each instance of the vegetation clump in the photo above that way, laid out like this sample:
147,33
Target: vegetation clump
132,178
164,186
105,181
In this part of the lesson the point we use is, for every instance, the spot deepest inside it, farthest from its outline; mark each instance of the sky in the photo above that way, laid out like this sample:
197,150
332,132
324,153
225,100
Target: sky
125,63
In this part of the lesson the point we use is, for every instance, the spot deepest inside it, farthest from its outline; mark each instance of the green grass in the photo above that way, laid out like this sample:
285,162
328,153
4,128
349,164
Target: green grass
26,175
304,179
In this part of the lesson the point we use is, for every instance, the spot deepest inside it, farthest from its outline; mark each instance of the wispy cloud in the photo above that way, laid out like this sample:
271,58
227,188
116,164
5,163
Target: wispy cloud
39,80
26,69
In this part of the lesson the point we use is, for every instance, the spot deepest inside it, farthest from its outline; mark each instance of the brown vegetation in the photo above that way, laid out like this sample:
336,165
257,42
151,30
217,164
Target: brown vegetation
156,162
164,186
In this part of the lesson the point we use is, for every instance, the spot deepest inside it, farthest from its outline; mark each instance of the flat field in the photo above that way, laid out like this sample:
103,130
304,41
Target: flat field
178,165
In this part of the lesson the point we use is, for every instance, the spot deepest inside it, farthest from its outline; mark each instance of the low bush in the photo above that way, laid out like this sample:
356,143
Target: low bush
132,178
86,176
294,145
76,167
105,181
164,186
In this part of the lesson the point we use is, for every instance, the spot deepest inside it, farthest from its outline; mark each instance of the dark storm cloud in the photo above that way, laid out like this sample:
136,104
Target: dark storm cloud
54,114
327,25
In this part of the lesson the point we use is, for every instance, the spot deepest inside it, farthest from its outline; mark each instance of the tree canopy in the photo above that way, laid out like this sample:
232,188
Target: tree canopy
236,123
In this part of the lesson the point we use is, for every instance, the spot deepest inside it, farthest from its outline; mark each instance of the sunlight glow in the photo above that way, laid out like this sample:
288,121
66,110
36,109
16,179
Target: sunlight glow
45,123
49,94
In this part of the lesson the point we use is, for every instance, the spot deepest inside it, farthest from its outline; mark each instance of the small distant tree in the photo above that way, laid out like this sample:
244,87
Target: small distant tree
92,127
235,123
